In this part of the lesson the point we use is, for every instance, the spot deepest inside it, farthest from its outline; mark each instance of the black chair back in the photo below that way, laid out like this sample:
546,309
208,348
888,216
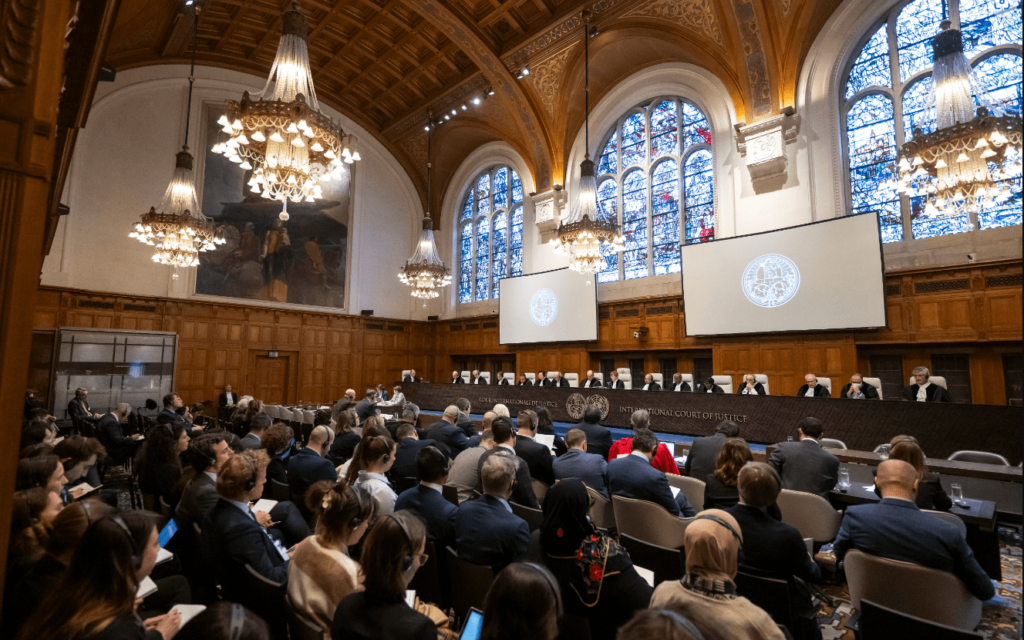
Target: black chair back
533,517
882,623
279,490
297,625
265,596
469,583
451,494
431,580
667,564
401,484
187,545
768,592
573,628
165,509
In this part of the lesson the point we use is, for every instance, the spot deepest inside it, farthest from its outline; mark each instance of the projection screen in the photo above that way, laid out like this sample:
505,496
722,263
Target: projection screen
824,275
553,306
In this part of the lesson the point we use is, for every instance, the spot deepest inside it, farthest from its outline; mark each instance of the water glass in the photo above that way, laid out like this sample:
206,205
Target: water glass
883,452
956,492
844,478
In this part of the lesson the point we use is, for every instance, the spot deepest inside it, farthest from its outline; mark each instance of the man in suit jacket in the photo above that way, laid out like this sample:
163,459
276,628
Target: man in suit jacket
678,385
599,439
501,379
751,387
464,422
709,386
409,446
614,382
170,415
464,474
505,446
119,446
650,384
228,398
896,529
577,463
857,389
537,455
812,389
254,439
308,466
457,378
343,404
701,461
804,465
411,377
476,378
924,391
426,501
543,380
591,382
485,425
633,476
559,381
523,381
444,432
486,530
410,416
206,454
365,407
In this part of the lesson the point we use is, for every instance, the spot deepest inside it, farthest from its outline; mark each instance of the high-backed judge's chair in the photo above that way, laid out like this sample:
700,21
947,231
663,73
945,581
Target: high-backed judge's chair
825,382
573,378
725,382
939,380
659,378
627,380
877,384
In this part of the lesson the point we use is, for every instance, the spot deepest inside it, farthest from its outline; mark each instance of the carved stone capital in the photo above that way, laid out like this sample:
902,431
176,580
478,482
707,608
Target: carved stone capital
763,144
548,209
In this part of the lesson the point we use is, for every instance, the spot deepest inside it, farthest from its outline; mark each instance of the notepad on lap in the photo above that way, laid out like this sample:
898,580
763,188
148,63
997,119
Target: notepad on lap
646,574
189,611
410,597
675,491
146,588
163,555
264,505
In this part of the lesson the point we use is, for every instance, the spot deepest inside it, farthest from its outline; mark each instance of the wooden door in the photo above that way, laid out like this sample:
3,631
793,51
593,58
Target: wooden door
271,379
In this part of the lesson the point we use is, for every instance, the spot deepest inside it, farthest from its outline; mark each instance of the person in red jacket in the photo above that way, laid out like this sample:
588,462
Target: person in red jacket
663,460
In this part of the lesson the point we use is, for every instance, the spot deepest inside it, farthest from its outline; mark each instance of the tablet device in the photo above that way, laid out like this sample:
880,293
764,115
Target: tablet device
473,626
168,532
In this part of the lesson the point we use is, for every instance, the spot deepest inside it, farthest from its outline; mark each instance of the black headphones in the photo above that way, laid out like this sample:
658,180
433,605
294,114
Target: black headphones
408,559
237,621
362,497
210,461
387,456
250,484
714,518
687,626
434,451
136,558
555,593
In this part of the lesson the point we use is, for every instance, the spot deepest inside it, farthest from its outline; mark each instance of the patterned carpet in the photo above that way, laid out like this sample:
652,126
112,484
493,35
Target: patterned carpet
1001,618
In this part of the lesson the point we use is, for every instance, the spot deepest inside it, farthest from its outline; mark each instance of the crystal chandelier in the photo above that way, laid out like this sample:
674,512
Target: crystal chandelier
973,157
425,271
287,143
179,230
582,236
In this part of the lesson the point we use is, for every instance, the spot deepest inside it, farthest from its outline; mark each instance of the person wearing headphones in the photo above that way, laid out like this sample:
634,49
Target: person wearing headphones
373,458
205,455
225,621
515,608
706,594
321,572
392,553
425,499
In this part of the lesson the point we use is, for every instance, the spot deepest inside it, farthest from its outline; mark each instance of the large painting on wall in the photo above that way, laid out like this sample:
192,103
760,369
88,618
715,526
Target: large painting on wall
300,261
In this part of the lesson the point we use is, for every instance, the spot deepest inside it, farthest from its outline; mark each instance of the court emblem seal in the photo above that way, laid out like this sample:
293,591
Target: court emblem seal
770,280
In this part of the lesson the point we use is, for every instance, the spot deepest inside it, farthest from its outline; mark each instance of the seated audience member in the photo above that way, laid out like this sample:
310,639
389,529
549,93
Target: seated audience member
751,387
663,460
37,432
924,391
803,465
486,530
79,455
771,545
158,463
257,427
599,439
522,603
392,554
504,446
930,494
232,534
205,456
95,600
545,426
32,402
308,465
614,382
241,418
380,393
650,384
706,595
375,426
346,402
31,517
79,407
43,470
577,463
373,458
120,447
485,425
857,389
345,436
634,477
411,377
464,422
365,407
895,528
445,432
703,456
709,386
572,547
34,450
457,378
811,388
397,397
523,381
278,441
174,413
224,621
464,474
501,410
590,382
409,414
678,385
720,490
537,455
559,381
321,573
425,499
228,398
663,624
409,445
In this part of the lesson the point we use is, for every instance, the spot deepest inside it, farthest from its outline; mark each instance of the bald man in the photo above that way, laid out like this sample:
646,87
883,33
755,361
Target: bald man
450,439
896,529
308,465
485,425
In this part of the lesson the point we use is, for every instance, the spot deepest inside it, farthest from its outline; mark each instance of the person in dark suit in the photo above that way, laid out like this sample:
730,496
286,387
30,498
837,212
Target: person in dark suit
501,379
896,529
804,465
476,378
591,382
857,389
486,530
599,439
380,394
119,446
678,384
457,378
930,494
812,389
542,380
254,439
614,382
592,469
704,451
425,499
751,387
464,422
523,381
445,432
228,398
633,477
559,381
650,384
170,415
773,546
79,407
205,455
409,446
411,377
308,465
504,446
709,386
545,427
537,455
365,407
924,391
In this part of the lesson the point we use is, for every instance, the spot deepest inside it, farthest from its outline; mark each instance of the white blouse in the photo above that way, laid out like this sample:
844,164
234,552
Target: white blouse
380,490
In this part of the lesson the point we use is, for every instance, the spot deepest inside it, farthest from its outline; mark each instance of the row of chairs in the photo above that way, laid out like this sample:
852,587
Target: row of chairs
300,420
964,455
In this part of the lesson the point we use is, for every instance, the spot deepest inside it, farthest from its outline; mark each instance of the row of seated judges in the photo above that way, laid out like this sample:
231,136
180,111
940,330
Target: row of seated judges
364,497
921,388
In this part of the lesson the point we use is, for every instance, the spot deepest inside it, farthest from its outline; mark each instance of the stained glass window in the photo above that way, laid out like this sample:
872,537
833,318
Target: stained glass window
634,141
634,223
987,23
917,24
500,250
608,162
608,209
1001,77
871,140
516,260
466,264
696,129
483,246
501,188
698,185
664,136
665,217
872,66
918,108
517,189
467,210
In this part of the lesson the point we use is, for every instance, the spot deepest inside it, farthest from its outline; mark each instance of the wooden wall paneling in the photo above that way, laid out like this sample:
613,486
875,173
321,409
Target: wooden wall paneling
987,367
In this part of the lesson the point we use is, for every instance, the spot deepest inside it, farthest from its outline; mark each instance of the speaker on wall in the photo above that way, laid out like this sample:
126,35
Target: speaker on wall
366,312
432,318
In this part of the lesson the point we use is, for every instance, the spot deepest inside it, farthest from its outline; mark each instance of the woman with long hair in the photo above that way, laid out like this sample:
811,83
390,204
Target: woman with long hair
44,470
96,598
225,621
546,427
373,459
930,494
523,603
374,426
720,491
158,462
33,512
321,572
345,437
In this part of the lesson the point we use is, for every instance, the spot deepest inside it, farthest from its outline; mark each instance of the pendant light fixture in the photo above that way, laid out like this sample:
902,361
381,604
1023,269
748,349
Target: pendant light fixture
582,236
178,229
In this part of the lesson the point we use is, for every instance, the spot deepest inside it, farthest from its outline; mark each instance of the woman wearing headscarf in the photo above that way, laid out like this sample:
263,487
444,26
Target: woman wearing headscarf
706,594
594,573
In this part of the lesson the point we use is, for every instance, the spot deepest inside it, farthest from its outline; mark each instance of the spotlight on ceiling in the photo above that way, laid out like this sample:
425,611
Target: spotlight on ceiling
476,101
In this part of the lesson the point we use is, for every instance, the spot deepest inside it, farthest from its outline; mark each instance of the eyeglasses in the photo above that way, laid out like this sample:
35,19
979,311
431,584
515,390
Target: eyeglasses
423,557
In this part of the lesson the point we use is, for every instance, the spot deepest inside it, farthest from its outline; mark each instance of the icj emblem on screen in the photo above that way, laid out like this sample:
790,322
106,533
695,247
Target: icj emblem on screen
770,280
543,307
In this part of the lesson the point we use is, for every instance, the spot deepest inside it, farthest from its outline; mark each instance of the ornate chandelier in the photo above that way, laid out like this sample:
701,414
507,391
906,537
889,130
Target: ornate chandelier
582,236
425,271
179,230
973,157
287,143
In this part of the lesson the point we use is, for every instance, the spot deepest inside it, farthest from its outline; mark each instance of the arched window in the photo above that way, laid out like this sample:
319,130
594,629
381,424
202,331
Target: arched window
655,168
490,233
887,94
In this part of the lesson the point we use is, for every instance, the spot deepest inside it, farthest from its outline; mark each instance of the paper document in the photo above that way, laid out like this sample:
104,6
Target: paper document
189,611
146,587
546,440
163,555
264,505
675,491
80,490
410,597
646,574
869,487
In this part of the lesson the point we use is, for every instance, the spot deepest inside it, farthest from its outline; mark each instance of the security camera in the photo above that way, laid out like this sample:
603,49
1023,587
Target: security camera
636,334
971,257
